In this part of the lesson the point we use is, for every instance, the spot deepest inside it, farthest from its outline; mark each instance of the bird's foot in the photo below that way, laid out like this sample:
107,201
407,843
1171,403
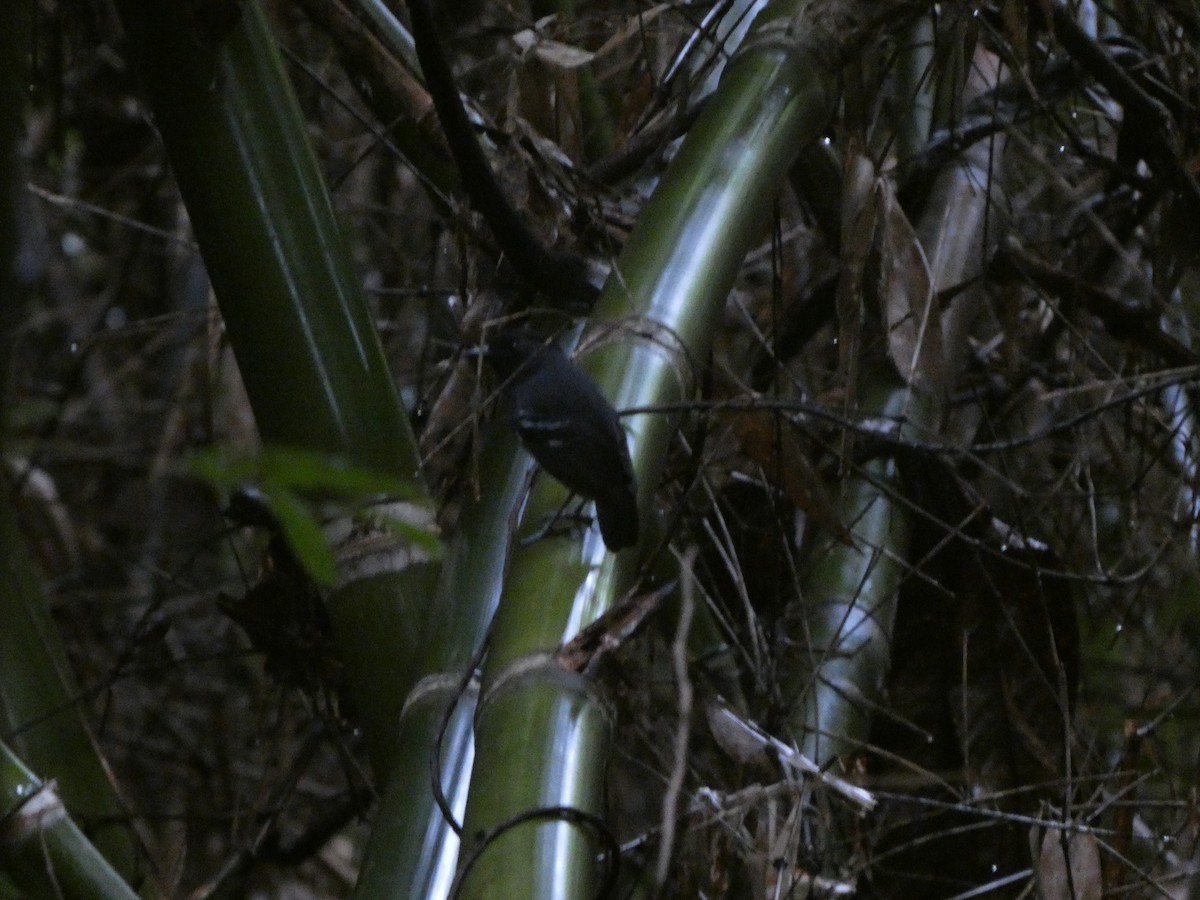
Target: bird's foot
561,522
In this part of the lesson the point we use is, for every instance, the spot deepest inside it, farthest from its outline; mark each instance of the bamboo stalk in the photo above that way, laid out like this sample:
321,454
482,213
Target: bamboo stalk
412,846
42,850
844,622
543,734
296,316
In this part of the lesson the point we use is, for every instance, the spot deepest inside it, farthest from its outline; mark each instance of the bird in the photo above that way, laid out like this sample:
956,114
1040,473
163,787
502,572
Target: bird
569,427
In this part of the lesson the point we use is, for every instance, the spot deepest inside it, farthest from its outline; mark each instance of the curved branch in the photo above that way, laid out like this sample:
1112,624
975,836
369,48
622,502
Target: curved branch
541,267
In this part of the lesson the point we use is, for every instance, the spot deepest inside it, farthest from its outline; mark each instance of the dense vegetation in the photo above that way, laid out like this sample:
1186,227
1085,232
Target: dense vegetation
897,301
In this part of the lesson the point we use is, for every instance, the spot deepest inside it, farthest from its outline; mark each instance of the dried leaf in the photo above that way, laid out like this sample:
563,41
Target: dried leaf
748,743
554,54
636,26
910,312
565,57
610,632
1066,866
783,459
1014,20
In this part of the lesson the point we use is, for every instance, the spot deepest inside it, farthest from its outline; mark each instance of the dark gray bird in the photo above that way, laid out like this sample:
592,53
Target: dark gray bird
570,428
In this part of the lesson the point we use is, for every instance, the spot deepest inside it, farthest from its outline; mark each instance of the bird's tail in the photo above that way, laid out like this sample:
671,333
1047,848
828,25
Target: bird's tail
618,517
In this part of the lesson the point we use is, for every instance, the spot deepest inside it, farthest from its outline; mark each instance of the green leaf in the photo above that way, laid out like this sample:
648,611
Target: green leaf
307,471
303,533
292,480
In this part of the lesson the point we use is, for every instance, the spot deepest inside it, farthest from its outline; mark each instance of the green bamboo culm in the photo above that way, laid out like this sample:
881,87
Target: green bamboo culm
43,852
412,850
671,283
295,313
40,713
842,627
300,327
